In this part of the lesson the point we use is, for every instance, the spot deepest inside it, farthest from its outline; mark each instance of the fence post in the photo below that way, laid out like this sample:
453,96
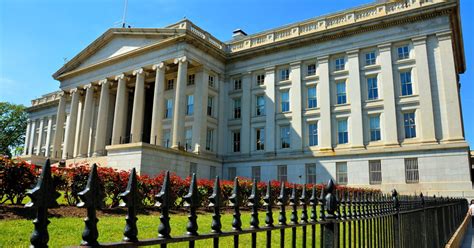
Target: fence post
396,219
164,203
268,203
215,199
254,200
131,201
235,203
281,201
331,229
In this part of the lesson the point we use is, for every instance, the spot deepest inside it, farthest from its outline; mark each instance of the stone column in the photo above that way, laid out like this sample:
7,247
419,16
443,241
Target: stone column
156,133
451,106
296,107
48,135
389,131
356,124
200,110
222,117
179,103
60,119
246,110
86,121
325,129
138,111
102,117
120,112
68,150
32,137
424,90
27,137
270,105
40,137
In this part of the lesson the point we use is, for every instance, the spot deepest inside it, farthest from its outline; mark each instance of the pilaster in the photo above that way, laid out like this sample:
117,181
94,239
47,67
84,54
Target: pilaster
296,107
356,124
246,110
325,104
270,105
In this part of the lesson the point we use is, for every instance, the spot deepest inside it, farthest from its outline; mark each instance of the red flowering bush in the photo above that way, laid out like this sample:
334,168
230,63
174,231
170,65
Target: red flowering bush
15,179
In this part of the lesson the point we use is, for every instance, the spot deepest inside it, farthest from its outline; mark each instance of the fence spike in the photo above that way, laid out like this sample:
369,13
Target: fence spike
164,203
396,203
92,199
322,202
131,200
313,202
294,206
235,202
43,196
281,201
268,202
304,204
349,203
330,200
192,202
216,203
254,201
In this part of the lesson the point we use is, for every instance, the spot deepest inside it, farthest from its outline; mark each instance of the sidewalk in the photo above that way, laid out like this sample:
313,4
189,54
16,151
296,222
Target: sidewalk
468,241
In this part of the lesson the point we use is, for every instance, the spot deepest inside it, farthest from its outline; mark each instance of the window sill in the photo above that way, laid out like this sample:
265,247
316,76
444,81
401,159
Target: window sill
340,72
284,81
404,61
310,77
371,67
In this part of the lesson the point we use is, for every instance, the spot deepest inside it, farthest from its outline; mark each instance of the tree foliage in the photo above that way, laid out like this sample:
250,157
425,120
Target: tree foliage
13,122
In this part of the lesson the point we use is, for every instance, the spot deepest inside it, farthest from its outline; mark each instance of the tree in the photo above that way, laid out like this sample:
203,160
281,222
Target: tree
13,122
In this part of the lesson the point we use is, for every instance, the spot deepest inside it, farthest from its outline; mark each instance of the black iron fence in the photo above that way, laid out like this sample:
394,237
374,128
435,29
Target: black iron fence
334,219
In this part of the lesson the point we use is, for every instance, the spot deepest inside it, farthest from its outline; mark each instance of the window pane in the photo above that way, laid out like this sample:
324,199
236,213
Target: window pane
342,132
375,172
285,101
409,124
256,173
312,102
341,172
311,173
411,170
285,136
313,134
372,88
341,93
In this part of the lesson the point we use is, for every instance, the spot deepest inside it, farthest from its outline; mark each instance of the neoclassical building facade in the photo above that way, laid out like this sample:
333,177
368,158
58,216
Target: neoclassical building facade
368,96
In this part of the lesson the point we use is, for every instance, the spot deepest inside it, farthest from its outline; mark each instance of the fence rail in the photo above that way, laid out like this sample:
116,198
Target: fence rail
343,219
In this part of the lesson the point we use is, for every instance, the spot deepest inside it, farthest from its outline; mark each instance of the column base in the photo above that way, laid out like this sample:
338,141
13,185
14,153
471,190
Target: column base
391,145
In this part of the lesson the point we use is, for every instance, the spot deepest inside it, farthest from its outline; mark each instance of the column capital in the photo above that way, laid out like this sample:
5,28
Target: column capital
444,35
270,69
420,40
323,59
353,53
87,86
180,60
103,82
139,72
385,47
121,77
295,63
158,66
73,90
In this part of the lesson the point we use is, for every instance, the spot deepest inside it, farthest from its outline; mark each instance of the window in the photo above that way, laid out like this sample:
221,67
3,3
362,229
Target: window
310,173
210,104
256,173
170,84
340,64
190,105
236,141
405,80
403,52
284,74
169,109
231,173
166,138
212,172
372,89
192,169
260,79
313,134
209,139
260,109
411,170
285,101
188,135
260,142
409,124
374,123
191,79
285,136
237,108
375,172
311,69
237,84
370,58
341,172
341,93
282,173
211,81
312,99
342,134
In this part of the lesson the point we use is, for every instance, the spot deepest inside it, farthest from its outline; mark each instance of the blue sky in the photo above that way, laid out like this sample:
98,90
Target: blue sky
37,35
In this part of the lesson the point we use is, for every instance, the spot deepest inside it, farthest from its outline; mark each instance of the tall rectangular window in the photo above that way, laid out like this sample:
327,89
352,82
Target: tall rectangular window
372,88
313,134
236,141
411,170
260,108
310,173
370,58
170,84
375,172
167,138
211,81
190,105
312,99
340,64
169,109
285,136
191,79
284,74
341,93
282,173
285,101
311,70
405,81
237,84
342,133
409,124
212,172
256,173
192,169
188,135
209,139
374,127
403,52
237,108
260,79
260,142
210,104
231,173
341,172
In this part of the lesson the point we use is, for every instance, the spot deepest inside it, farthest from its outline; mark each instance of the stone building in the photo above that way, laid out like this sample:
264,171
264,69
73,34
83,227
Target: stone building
368,96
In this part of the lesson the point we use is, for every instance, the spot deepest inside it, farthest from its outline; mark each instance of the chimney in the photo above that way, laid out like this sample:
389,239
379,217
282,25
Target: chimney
238,34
